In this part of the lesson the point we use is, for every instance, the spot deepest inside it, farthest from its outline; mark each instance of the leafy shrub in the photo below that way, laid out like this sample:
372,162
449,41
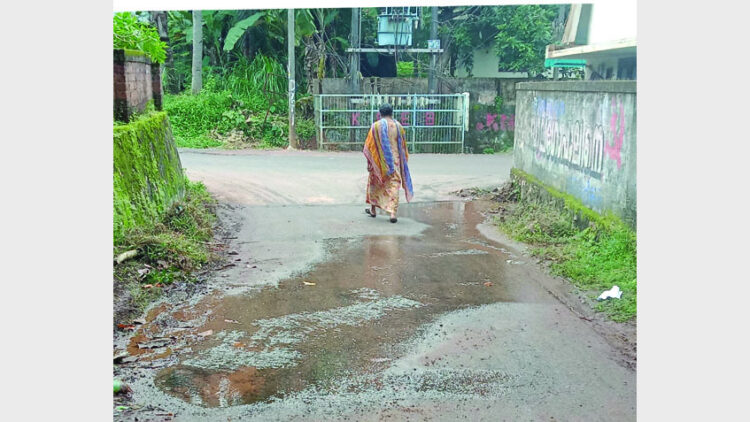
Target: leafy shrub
193,117
134,35
488,151
246,78
498,104
236,101
305,129
273,133
404,69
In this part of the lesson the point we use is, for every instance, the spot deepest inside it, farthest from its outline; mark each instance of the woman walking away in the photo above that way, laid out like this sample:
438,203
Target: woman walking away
387,164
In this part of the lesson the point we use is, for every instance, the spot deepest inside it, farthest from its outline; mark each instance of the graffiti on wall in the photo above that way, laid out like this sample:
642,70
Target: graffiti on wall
429,118
576,143
582,188
618,132
492,123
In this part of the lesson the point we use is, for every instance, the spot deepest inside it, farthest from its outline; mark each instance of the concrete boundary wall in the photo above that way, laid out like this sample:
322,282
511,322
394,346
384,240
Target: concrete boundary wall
580,138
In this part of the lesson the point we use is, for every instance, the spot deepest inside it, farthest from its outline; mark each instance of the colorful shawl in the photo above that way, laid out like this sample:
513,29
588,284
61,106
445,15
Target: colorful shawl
380,159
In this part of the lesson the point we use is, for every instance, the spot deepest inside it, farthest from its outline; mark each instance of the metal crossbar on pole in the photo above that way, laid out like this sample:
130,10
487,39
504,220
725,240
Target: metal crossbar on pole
435,123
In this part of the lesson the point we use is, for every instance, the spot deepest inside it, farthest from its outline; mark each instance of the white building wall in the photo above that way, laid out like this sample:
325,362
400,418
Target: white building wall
485,66
612,20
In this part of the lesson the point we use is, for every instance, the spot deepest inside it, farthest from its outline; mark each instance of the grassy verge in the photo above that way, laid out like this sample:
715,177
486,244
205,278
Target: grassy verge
169,250
594,259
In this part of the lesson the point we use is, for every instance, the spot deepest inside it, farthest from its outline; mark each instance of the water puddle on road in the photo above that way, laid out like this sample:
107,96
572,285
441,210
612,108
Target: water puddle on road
346,316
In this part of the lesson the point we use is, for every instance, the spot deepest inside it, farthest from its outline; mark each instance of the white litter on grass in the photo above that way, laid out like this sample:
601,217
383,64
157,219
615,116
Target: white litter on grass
613,292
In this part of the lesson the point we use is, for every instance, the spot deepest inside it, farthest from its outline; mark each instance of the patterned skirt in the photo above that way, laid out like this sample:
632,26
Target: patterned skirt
384,195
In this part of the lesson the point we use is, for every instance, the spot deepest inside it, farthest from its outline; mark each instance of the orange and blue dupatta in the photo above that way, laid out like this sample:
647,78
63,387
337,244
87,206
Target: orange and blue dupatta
380,158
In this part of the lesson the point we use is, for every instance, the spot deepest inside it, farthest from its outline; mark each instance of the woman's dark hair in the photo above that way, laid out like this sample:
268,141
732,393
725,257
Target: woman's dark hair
386,110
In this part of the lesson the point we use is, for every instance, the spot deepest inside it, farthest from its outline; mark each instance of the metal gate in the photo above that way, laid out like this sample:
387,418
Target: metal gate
433,123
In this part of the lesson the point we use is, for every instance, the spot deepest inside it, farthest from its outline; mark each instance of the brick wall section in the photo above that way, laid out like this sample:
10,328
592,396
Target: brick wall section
136,82
120,94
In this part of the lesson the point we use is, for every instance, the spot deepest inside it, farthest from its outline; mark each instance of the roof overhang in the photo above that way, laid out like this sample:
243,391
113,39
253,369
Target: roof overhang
618,48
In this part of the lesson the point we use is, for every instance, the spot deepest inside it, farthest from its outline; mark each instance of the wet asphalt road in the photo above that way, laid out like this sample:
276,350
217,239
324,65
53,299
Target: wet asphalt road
328,314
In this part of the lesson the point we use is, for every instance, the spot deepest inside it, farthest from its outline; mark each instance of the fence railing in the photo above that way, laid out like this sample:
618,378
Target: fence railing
434,123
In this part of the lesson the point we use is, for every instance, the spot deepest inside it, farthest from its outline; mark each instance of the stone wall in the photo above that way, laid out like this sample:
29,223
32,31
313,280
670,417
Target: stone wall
580,138
136,82
147,172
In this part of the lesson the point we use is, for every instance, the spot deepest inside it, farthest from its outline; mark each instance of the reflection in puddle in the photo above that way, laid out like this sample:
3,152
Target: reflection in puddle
346,315
213,389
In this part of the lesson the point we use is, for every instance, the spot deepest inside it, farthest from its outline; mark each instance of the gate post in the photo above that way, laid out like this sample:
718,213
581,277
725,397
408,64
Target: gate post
414,123
319,120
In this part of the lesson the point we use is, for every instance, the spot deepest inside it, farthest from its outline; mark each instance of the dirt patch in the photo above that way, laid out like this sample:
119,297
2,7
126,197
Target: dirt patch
504,193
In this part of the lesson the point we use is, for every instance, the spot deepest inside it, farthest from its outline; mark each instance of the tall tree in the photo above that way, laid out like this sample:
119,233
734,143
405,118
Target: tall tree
197,83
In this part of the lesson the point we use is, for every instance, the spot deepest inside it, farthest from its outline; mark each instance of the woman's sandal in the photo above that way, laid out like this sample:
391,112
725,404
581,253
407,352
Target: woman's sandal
394,219
371,214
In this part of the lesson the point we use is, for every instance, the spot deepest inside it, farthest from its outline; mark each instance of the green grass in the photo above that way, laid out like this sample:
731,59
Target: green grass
594,259
178,244
193,117
202,121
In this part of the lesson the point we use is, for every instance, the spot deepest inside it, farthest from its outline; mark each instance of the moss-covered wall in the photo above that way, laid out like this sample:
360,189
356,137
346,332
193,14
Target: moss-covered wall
533,190
148,174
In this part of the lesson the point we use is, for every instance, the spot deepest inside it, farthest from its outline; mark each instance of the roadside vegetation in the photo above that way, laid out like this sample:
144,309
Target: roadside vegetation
235,95
594,258
240,108
170,250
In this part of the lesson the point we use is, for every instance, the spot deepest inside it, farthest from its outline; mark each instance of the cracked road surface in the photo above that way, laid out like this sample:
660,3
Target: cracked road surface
328,314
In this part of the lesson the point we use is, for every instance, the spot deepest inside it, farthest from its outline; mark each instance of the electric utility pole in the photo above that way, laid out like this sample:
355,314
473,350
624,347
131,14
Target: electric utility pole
354,57
431,81
292,83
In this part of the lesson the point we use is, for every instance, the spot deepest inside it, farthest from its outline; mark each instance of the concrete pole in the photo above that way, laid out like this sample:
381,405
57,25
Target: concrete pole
432,80
292,81
354,57
197,82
